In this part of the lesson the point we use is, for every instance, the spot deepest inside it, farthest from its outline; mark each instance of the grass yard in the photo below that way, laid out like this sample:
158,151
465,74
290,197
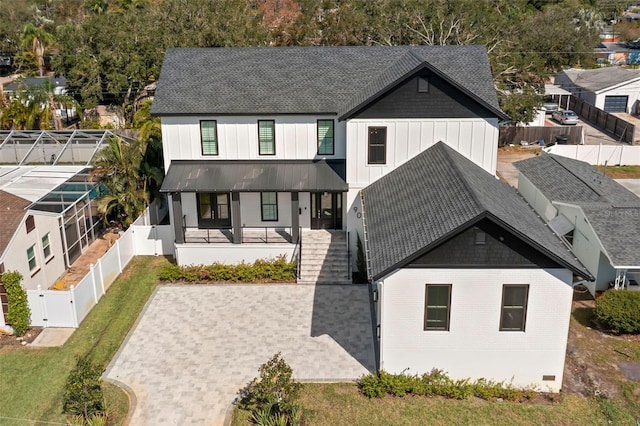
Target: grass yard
342,404
621,172
32,379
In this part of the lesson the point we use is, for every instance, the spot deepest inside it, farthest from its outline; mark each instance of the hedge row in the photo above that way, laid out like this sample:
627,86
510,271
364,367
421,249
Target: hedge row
277,270
619,310
18,314
437,383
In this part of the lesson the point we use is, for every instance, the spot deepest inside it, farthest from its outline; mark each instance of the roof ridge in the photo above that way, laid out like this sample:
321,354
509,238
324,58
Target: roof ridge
555,158
448,151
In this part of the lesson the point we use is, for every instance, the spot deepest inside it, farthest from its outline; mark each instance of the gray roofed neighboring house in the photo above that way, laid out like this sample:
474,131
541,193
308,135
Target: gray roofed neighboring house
612,210
437,194
58,84
315,80
599,79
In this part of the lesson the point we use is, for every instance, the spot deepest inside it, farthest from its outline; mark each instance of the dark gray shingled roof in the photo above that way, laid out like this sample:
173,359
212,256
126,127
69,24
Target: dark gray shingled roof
424,201
253,175
612,210
308,80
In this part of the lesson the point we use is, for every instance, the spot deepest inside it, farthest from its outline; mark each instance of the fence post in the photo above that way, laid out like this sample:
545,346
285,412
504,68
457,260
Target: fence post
599,153
74,313
118,253
93,283
43,304
101,276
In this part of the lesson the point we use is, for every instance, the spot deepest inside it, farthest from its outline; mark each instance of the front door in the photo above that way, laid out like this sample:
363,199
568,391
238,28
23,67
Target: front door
326,210
214,210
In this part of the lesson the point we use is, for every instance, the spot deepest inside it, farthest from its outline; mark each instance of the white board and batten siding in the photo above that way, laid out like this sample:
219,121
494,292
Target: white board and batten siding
474,347
295,136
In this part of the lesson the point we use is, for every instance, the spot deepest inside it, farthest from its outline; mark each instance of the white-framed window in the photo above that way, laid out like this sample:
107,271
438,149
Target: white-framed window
46,247
31,257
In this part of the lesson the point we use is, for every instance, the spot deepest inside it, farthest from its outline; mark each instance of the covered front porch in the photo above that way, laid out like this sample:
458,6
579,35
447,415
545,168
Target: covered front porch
222,202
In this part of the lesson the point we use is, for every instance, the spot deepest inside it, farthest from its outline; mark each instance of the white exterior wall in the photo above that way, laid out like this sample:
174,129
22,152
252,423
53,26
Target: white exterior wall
474,347
536,199
206,254
296,138
15,257
632,90
588,248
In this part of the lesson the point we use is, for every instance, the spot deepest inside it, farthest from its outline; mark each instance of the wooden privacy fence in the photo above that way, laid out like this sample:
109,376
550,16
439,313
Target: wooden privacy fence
533,134
621,129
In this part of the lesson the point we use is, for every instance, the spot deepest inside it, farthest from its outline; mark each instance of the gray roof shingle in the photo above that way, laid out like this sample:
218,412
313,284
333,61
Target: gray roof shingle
612,210
313,80
436,193
602,78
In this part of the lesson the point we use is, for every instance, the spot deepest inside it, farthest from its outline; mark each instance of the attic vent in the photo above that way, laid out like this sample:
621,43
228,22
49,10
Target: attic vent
423,85
481,238
548,378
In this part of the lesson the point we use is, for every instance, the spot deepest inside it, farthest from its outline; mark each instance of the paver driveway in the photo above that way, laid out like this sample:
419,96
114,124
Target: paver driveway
195,346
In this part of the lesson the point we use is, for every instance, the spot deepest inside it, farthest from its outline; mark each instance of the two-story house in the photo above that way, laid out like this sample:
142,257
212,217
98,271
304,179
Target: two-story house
268,148
260,143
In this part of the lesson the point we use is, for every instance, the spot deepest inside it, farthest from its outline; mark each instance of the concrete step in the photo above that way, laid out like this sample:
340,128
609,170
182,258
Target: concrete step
324,279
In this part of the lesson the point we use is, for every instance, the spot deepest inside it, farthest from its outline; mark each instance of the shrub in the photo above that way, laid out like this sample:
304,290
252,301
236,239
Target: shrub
619,310
261,270
83,392
273,397
438,383
18,314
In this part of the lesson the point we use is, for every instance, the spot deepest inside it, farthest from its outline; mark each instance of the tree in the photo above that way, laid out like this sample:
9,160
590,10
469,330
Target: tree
121,168
38,40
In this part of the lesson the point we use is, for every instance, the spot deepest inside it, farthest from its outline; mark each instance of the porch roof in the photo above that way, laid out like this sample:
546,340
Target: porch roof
255,176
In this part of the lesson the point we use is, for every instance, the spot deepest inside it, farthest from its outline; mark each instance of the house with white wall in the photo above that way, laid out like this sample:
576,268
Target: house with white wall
596,216
466,277
263,144
612,89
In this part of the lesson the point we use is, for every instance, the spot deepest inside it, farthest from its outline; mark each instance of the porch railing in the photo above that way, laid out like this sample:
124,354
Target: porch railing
248,234
266,234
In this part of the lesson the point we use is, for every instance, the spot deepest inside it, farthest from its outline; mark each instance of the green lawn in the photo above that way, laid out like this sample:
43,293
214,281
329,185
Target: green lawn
342,404
621,172
32,380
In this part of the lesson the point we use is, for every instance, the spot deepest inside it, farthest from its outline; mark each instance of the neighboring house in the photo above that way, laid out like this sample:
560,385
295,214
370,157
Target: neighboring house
56,84
611,89
597,217
467,278
49,213
273,140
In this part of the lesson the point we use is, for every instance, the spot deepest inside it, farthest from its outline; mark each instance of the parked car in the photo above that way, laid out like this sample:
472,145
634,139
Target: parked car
565,117
549,105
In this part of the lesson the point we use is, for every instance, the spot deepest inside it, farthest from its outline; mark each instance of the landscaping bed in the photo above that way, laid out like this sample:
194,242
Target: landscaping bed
11,340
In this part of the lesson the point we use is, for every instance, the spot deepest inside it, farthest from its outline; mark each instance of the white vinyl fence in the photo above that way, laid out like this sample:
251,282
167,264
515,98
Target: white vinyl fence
55,308
612,155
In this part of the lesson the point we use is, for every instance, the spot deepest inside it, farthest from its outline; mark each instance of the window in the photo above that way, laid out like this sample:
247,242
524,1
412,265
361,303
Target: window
266,137
377,145
325,137
209,137
31,256
514,307
437,306
30,223
46,246
269,206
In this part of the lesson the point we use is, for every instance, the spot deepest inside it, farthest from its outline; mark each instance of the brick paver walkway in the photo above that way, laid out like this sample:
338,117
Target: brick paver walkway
195,346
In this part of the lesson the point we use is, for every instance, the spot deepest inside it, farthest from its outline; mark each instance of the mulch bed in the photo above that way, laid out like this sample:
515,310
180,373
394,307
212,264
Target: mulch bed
29,337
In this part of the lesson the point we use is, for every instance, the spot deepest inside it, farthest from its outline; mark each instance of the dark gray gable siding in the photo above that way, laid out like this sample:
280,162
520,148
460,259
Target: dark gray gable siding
501,249
442,100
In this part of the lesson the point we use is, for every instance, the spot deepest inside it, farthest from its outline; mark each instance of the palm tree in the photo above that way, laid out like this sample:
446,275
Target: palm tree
121,168
37,39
